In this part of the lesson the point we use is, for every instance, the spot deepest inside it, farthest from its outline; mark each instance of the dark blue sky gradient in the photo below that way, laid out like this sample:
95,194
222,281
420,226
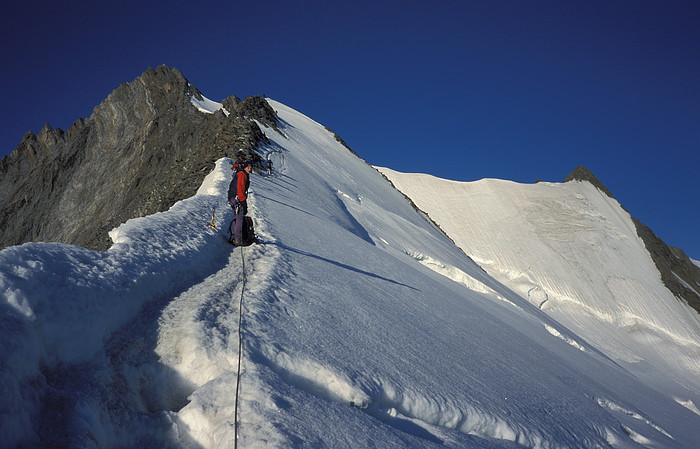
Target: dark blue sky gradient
519,90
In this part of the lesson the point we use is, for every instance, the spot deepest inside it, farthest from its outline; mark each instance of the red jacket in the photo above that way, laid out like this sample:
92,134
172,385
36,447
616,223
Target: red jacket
242,184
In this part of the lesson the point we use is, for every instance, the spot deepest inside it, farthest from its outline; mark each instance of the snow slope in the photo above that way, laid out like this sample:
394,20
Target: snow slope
573,252
362,325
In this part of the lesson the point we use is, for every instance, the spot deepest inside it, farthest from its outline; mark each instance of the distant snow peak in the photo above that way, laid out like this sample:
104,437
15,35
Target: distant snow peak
207,106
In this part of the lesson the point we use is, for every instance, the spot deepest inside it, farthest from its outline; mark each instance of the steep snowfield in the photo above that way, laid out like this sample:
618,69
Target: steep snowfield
362,326
573,252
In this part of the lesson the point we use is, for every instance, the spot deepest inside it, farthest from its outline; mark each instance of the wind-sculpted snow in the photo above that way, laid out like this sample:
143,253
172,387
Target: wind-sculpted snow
63,306
362,326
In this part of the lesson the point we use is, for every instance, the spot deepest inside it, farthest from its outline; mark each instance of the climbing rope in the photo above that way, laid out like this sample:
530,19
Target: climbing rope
240,350
212,224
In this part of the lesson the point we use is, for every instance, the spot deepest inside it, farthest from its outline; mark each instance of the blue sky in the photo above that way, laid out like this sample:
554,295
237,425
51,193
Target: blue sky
519,90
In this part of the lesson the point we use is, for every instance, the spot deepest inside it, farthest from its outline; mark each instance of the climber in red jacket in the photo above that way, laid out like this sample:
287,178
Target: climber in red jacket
237,198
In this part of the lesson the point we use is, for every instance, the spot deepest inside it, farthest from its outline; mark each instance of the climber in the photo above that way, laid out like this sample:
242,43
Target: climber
269,165
237,198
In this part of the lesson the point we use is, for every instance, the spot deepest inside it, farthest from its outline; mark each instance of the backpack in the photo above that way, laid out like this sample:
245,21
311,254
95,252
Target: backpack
238,165
248,231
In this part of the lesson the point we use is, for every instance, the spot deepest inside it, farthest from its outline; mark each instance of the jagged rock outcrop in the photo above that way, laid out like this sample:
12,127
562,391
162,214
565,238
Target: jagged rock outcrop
581,173
677,271
255,107
143,148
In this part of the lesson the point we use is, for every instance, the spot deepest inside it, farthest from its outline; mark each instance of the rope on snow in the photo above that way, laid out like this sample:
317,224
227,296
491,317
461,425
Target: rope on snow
240,350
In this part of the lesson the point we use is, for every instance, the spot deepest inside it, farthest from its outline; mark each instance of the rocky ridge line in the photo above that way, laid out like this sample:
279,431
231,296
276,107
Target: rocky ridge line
676,269
145,147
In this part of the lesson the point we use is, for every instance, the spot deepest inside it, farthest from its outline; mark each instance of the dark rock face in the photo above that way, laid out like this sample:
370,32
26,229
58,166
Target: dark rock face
673,264
581,173
143,148
676,269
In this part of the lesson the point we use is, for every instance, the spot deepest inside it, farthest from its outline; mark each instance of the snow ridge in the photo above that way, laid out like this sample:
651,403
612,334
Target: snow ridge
363,326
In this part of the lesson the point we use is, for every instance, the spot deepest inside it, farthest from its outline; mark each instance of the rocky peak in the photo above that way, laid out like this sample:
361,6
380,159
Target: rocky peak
231,103
254,107
141,150
581,173
672,263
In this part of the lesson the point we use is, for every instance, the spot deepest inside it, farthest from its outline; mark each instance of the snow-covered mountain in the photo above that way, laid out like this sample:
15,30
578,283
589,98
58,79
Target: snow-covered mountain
361,323
572,251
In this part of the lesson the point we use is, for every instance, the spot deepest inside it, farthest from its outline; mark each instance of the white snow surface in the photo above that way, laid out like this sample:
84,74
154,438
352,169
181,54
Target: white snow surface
363,325
207,106
573,252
